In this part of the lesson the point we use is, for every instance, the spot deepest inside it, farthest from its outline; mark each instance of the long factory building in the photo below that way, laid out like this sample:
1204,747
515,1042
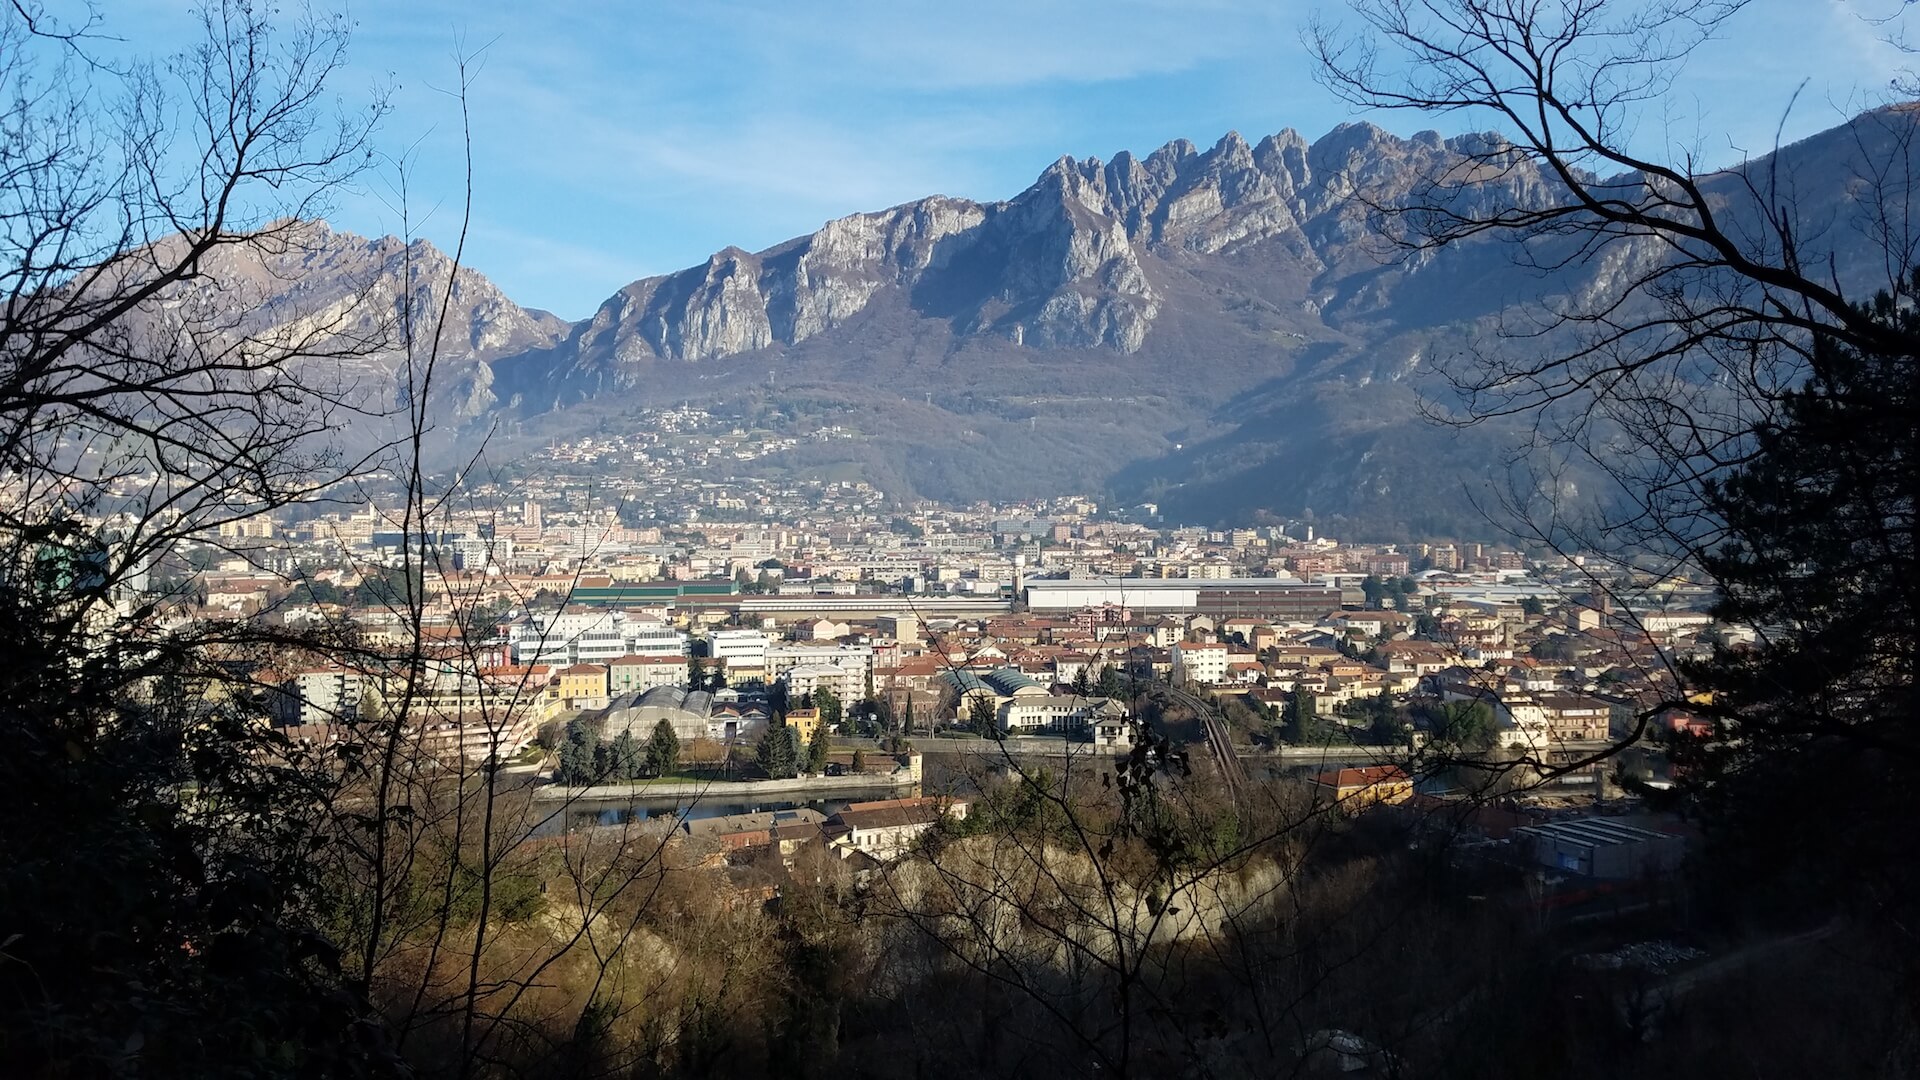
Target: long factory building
1264,598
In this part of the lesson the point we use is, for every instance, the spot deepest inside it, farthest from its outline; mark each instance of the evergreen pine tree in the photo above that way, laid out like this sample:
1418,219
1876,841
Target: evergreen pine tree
776,754
1806,772
1396,593
1303,721
571,770
576,766
829,705
628,763
663,749
981,718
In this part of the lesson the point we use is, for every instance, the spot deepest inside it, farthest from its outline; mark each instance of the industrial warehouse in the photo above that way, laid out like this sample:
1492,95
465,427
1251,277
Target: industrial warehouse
1272,598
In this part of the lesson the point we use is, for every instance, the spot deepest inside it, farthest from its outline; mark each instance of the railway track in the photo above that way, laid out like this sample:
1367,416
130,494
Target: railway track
1219,742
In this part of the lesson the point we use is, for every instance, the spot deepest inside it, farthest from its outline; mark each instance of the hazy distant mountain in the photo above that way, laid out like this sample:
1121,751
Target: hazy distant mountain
1217,330
313,280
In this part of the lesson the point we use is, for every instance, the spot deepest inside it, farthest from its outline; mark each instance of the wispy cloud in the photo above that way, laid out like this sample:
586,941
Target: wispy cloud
986,44
1875,39
616,140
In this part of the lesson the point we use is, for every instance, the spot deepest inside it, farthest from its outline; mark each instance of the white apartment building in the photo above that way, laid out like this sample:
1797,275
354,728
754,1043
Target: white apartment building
762,546
648,638
788,655
477,552
1203,664
743,650
846,684
590,636
322,696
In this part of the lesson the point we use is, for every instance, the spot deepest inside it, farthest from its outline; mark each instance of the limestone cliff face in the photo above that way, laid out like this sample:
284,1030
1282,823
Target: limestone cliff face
311,282
1072,262
739,301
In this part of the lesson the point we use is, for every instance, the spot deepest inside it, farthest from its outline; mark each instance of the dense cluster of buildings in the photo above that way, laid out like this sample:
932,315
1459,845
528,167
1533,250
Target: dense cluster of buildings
564,598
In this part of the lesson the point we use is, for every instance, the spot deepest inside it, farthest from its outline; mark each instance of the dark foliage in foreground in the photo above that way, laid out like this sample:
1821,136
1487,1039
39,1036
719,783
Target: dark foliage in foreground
156,893
1814,745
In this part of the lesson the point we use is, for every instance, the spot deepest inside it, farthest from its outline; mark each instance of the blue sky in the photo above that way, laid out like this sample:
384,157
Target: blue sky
613,140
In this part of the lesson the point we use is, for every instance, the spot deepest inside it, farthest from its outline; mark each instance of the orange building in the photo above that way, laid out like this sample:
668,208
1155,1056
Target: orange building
1354,790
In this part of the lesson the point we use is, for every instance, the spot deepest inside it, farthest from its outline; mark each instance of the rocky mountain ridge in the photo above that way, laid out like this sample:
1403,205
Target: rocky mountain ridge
1222,331
1064,264
309,281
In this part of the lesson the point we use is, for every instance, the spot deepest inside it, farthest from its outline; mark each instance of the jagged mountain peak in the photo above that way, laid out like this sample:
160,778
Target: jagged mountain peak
1172,154
1232,147
298,279
1064,264
1227,300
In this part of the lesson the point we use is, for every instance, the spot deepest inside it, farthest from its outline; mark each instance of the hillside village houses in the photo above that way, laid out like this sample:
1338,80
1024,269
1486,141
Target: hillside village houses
888,828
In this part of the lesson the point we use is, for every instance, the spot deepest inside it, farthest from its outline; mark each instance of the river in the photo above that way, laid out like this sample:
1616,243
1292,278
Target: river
942,776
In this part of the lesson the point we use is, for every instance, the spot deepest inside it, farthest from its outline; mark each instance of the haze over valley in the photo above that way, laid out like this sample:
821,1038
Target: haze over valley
1231,334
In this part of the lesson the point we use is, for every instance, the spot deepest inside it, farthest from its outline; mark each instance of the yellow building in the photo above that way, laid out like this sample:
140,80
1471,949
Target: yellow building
1353,790
804,723
583,686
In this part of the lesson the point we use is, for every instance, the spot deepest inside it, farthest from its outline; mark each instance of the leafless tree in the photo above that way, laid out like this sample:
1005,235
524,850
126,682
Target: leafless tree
137,376
160,370
146,400
490,932
1679,299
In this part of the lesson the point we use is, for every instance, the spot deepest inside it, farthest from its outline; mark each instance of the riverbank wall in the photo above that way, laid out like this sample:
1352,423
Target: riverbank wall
730,790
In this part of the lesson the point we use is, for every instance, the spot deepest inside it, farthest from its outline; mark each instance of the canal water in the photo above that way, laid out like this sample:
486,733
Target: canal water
941,777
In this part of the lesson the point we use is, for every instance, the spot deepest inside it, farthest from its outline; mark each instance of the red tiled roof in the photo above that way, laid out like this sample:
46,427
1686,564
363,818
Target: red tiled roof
1366,776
